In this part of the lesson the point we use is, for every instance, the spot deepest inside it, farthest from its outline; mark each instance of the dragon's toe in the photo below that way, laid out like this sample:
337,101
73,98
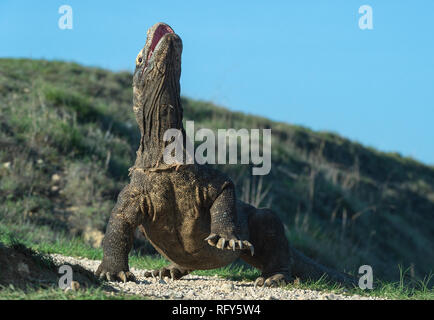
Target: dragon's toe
229,243
173,272
121,276
276,280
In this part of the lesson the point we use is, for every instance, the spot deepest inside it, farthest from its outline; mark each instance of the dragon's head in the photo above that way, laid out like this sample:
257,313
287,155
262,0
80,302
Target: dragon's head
160,58
157,73
156,87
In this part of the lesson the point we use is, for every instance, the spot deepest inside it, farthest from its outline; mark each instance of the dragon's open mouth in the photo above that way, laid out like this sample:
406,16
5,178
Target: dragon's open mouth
158,34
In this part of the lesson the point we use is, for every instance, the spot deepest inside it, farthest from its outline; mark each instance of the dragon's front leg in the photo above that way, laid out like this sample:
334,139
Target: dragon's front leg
119,238
223,223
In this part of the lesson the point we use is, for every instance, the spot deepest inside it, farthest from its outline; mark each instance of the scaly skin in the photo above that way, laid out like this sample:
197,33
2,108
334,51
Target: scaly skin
188,212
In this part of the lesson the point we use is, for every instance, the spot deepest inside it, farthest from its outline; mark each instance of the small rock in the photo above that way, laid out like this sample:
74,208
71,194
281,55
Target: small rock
161,281
191,293
7,165
228,287
40,161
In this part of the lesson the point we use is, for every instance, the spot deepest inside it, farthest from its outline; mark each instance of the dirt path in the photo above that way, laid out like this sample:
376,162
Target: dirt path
193,287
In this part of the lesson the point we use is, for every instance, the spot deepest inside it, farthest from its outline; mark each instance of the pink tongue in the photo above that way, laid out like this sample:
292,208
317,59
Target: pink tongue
158,34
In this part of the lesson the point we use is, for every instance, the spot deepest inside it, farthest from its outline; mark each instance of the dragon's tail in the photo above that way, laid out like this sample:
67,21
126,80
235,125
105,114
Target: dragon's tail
305,268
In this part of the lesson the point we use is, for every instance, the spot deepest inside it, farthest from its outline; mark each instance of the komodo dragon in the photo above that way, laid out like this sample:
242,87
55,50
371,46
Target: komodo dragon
189,212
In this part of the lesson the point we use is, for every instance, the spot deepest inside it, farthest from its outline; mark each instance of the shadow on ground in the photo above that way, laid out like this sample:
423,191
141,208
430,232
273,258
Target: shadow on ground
22,268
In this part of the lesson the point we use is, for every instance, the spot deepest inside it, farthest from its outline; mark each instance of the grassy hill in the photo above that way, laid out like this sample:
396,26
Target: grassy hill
68,137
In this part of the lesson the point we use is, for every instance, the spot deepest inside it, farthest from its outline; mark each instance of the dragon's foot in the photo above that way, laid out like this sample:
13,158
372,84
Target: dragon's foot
229,243
276,280
114,275
172,271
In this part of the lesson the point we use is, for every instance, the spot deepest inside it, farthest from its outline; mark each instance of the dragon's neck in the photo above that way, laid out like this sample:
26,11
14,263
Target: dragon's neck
162,111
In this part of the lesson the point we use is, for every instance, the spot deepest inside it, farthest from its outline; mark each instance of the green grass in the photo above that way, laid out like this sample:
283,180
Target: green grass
400,290
74,248
57,243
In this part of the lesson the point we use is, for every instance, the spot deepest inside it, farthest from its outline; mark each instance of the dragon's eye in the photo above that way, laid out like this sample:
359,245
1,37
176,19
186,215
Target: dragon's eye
140,59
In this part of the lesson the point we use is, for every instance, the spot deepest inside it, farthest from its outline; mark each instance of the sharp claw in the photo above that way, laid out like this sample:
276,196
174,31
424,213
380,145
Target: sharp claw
211,236
109,278
257,281
160,274
250,246
122,276
172,275
129,276
212,239
240,243
223,243
270,283
232,244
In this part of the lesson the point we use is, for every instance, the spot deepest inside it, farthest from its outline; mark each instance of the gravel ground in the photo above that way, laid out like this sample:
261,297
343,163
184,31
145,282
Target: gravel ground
193,287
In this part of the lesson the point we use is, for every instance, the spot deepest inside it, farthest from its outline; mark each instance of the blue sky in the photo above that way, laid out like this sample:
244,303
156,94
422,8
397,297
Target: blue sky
302,62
